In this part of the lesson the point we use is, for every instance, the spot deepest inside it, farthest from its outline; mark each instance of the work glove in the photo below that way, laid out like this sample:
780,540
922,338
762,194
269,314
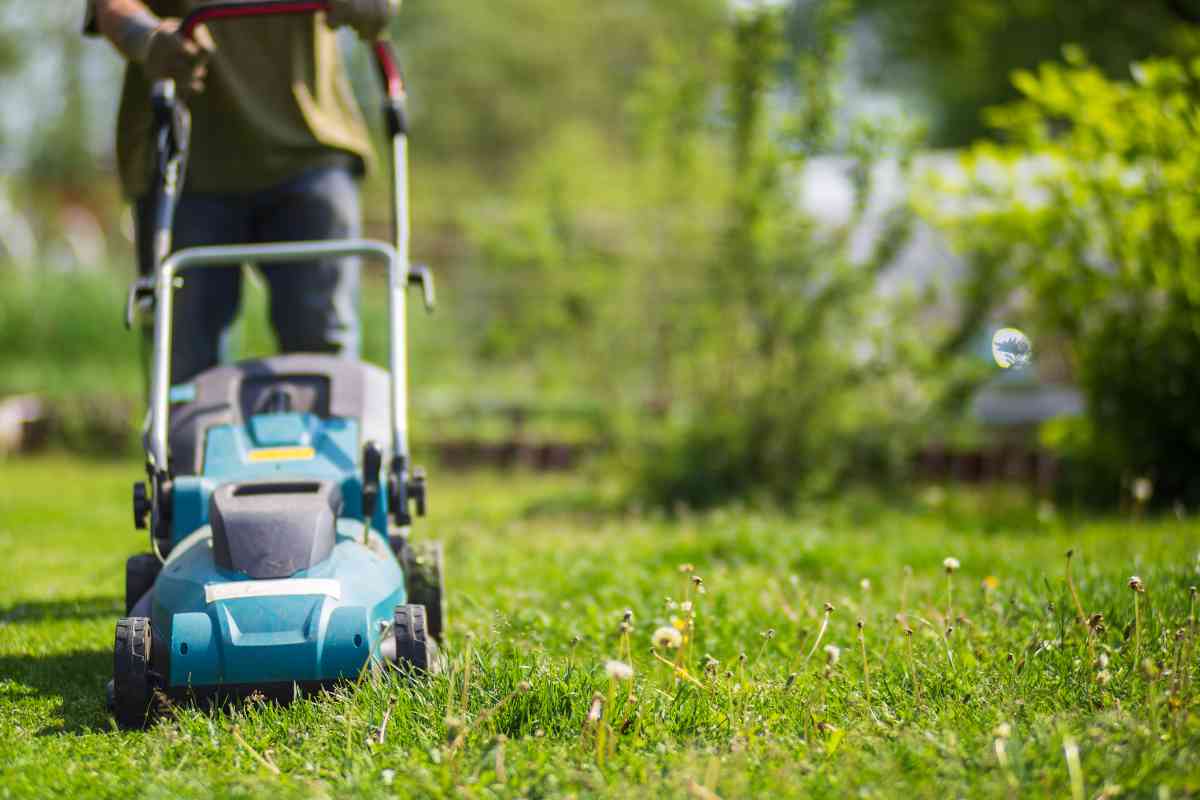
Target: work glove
368,18
169,56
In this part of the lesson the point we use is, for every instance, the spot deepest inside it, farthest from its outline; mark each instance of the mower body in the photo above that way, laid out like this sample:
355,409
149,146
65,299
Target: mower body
274,576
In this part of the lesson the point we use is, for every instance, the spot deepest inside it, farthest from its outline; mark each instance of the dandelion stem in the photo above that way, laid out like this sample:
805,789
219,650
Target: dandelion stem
680,672
1081,614
862,643
259,757
603,729
466,687
1137,631
912,664
949,598
1074,768
820,633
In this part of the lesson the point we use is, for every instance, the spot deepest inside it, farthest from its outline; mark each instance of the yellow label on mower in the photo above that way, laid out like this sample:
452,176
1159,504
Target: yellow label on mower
282,454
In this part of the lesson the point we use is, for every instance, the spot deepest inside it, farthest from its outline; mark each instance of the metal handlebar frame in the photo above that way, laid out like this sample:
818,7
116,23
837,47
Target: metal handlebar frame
167,267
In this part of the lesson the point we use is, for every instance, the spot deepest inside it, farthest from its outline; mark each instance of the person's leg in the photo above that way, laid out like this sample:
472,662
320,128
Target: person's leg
314,305
207,303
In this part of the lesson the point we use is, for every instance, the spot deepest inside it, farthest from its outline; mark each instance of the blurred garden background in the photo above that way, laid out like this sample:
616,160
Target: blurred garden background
727,275
747,251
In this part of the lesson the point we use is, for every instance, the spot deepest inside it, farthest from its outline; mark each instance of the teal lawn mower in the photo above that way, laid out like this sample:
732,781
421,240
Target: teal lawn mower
280,495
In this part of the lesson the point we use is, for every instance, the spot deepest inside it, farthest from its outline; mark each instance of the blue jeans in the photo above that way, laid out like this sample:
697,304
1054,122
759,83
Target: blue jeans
314,305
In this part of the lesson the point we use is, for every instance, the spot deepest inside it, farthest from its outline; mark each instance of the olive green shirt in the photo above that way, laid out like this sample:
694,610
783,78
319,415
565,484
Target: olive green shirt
277,102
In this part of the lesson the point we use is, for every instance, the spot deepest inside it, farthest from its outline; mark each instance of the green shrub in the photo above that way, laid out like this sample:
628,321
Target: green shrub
1086,221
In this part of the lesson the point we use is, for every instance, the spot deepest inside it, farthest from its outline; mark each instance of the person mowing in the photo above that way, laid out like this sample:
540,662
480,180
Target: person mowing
278,146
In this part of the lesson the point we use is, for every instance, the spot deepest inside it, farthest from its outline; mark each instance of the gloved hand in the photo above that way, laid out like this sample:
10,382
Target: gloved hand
170,56
368,18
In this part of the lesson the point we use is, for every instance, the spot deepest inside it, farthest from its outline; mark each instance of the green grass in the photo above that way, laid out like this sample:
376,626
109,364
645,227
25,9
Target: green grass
539,577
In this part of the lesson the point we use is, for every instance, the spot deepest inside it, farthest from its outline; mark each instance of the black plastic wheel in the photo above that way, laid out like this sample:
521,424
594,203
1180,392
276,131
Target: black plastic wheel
422,564
412,643
132,690
141,571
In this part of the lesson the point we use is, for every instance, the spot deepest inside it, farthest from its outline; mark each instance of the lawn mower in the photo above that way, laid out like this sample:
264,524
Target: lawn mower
279,495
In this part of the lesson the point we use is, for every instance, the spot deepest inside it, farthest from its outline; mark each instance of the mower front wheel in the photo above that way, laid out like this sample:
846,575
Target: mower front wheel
132,689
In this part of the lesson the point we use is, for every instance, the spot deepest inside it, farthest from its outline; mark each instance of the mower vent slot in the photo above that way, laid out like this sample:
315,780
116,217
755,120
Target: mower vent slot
258,489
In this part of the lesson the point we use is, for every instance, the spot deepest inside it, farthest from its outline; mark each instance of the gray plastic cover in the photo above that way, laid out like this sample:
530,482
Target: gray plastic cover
274,529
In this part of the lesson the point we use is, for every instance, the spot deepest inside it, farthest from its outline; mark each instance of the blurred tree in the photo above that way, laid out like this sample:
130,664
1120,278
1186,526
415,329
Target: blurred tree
492,82
62,155
10,59
959,56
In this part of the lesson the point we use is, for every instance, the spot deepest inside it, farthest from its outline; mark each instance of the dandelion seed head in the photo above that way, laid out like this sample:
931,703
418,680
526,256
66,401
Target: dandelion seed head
667,637
686,568
618,670
1135,583
1143,489
951,564
524,686
829,608
627,616
597,705
686,606
1003,730
865,584
832,654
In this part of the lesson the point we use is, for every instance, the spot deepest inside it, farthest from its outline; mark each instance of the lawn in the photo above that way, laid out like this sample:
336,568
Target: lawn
767,694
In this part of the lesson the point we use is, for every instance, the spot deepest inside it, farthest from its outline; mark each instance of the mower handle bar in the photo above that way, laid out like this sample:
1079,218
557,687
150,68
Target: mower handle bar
256,8
236,255
385,58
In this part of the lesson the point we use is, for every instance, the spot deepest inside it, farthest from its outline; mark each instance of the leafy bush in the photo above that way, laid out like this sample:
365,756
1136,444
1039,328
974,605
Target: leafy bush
1087,221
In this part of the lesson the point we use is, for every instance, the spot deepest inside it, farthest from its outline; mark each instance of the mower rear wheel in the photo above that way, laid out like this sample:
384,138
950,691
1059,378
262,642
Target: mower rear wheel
132,690
422,563
412,643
